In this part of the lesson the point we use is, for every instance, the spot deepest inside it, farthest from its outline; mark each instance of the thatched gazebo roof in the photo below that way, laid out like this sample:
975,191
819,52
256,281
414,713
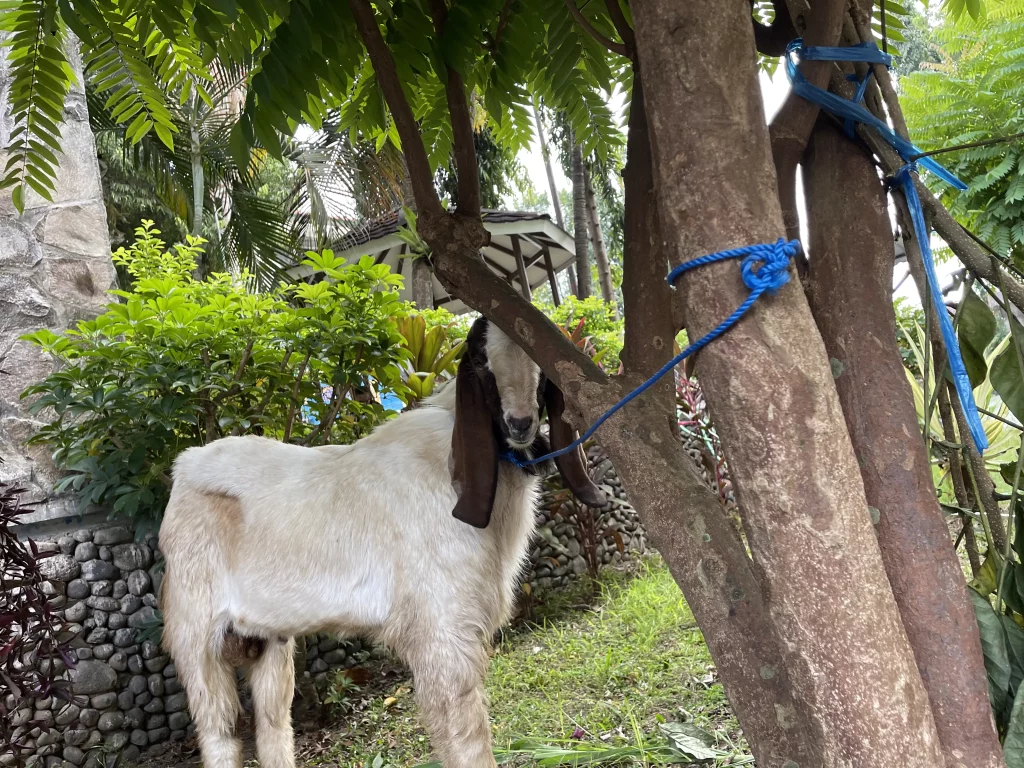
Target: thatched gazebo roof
526,249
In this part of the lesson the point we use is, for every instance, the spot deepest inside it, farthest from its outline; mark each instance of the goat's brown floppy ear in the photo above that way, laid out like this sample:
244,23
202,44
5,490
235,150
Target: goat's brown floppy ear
474,450
573,465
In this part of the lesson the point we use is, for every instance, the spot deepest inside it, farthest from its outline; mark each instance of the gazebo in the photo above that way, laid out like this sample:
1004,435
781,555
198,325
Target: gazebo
526,249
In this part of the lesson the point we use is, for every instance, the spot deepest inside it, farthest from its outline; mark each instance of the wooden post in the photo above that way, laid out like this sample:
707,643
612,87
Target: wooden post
524,281
551,277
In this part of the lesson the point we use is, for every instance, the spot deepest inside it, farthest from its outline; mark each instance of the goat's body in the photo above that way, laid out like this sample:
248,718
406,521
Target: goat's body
270,541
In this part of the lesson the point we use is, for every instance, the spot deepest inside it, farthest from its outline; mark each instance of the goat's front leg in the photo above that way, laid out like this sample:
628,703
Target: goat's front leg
449,679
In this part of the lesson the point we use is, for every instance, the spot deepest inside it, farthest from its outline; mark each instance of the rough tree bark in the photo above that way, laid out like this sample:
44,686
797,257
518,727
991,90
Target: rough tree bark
849,287
770,389
579,223
682,514
703,552
604,270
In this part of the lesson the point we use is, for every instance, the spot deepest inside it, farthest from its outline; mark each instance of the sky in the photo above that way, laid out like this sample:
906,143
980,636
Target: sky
773,91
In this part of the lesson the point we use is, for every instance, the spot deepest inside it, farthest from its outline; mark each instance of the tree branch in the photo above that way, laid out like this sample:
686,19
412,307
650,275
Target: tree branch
427,200
772,39
462,127
622,27
502,23
791,127
611,45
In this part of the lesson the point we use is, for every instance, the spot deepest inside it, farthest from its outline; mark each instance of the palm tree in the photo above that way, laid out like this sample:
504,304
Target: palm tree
257,213
579,214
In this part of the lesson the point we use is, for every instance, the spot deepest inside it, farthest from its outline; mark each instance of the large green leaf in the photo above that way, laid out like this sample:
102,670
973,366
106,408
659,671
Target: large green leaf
976,329
993,647
1006,375
1013,744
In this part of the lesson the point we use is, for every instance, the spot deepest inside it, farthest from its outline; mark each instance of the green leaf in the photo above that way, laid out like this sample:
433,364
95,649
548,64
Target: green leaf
993,646
976,329
1013,744
1006,376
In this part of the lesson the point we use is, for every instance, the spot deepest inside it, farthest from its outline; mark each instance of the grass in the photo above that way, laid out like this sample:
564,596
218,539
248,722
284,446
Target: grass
596,675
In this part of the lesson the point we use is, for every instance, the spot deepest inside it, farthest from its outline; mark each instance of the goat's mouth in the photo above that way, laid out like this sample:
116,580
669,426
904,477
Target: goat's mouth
520,444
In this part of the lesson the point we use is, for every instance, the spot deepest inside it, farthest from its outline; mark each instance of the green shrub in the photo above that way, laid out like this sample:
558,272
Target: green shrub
599,324
177,363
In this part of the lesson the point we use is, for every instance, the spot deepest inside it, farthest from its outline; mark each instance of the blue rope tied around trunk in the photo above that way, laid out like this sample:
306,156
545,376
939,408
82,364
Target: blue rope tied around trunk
852,112
765,269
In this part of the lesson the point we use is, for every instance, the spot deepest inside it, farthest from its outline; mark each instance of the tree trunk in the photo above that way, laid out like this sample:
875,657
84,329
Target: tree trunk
198,183
604,271
422,277
849,286
552,187
770,390
692,533
579,226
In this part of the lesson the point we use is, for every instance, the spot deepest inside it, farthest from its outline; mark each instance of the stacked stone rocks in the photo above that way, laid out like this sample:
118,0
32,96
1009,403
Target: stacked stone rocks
127,695
559,539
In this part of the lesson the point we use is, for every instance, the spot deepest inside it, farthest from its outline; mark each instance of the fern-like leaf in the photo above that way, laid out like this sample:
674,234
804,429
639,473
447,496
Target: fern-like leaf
40,80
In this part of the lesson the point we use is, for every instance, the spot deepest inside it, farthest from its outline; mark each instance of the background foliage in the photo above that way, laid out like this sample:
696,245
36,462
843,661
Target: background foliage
975,92
179,362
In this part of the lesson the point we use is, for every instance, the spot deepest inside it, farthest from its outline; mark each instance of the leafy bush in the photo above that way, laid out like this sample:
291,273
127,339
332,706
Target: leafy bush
179,362
599,325
433,354
30,628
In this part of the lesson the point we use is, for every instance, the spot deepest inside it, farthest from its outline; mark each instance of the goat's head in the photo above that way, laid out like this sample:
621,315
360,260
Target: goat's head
500,395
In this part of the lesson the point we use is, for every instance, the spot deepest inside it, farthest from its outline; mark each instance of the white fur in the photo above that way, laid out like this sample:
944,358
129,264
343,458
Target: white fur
276,541
517,377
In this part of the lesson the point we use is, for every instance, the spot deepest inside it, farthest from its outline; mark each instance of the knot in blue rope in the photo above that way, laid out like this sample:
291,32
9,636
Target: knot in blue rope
766,267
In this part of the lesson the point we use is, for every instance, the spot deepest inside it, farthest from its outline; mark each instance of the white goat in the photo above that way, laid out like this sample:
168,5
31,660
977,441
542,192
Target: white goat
266,541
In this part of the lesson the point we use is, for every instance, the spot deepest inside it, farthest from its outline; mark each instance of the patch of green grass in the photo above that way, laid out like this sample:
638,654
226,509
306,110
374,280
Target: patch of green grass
604,665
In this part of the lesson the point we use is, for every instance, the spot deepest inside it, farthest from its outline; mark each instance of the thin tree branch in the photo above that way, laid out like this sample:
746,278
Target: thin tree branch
502,23
611,45
422,178
462,127
236,386
622,27
455,243
293,408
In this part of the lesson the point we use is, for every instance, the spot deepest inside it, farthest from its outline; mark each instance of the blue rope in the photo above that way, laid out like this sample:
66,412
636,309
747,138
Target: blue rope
853,112
764,269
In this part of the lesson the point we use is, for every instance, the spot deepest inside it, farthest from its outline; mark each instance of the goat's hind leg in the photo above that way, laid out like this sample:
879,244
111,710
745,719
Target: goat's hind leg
212,691
449,680
272,678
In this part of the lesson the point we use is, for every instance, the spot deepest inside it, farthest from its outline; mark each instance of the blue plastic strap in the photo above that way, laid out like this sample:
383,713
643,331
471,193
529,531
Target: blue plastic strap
851,111
862,52
847,109
961,380
765,268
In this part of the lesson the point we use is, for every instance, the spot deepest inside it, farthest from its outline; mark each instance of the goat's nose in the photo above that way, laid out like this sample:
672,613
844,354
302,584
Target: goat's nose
519,426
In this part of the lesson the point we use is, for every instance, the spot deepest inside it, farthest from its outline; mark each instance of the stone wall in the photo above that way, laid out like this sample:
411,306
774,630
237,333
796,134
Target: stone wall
129,699
127,695
55,268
